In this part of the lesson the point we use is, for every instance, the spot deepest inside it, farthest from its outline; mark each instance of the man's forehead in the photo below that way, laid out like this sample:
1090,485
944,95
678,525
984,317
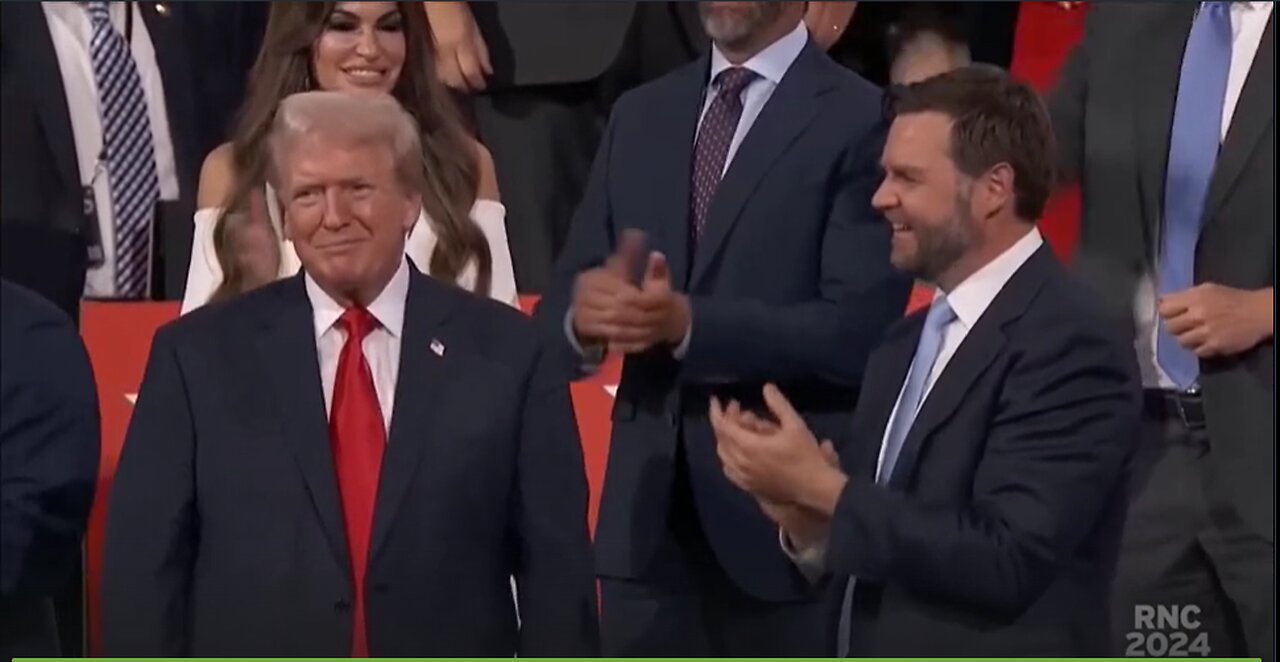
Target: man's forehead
923,126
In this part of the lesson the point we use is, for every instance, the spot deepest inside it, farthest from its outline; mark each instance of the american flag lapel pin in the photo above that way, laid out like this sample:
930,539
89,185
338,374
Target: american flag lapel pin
437,346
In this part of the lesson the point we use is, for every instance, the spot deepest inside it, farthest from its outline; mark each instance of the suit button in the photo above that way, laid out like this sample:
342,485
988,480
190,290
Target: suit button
342,607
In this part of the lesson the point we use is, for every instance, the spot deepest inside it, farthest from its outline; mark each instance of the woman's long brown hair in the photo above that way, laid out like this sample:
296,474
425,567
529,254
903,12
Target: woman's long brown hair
451,168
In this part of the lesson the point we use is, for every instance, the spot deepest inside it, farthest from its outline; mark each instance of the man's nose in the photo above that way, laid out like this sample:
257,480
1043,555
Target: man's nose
884,197
335,213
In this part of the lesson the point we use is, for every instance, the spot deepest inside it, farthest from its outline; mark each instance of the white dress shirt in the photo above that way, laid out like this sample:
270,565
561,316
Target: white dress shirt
204,273
381,346
770,65
969,300
71,30
1248,22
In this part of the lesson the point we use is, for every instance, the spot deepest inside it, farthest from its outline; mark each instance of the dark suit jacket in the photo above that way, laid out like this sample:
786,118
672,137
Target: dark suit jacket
550,43
225,535
998,531
791,282
1113,126
48,466
42,222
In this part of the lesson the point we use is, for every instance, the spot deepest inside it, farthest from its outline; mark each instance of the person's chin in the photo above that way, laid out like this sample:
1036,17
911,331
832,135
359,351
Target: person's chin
904,261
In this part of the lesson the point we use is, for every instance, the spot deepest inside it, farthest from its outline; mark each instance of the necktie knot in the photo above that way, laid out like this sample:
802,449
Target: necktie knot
357,322
1215,10
99,11
733,81
940,315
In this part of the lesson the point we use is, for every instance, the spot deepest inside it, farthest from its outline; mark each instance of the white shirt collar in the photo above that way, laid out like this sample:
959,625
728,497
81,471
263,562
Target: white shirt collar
387,308
971,297
772,62
1256,6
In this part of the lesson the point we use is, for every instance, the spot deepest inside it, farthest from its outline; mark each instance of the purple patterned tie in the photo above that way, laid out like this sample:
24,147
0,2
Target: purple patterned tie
714,136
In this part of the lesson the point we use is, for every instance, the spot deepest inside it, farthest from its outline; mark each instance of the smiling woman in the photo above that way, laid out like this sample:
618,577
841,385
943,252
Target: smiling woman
365,48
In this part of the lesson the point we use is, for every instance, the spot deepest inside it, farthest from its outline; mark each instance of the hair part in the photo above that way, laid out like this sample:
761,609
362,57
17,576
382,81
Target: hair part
995,120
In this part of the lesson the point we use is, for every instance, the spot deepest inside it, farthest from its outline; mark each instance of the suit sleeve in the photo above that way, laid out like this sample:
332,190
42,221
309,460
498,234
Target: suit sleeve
589,244
1062,431
830,336
151,519
49,448
555,572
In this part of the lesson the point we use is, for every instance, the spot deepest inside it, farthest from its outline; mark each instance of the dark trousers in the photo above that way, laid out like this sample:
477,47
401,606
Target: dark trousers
686,606
1192,578
544,138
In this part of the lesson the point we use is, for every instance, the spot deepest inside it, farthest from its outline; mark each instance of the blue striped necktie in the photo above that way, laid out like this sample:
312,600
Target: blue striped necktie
1193,150
128,151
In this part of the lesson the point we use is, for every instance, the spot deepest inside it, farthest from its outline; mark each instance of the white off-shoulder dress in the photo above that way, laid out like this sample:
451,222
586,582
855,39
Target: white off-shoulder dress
205,274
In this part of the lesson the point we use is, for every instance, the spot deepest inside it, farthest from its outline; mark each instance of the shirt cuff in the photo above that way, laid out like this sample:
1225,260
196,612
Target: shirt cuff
592,356
810,560
683,348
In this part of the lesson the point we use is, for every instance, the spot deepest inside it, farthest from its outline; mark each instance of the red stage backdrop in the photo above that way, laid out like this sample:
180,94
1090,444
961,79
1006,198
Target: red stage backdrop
118,336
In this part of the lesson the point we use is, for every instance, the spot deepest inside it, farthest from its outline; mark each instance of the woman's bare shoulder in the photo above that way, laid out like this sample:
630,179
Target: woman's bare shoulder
217,176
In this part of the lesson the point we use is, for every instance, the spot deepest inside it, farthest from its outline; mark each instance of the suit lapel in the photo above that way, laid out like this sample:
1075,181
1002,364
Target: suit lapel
1158,73
675,147
49,98
288,344
420,390
1255,111
980,347
789,110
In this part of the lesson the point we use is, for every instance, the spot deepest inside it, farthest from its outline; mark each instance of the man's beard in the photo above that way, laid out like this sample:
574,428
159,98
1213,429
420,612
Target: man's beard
939,248
732,26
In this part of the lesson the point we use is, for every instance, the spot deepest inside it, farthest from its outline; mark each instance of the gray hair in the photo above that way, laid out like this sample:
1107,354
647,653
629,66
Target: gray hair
354,119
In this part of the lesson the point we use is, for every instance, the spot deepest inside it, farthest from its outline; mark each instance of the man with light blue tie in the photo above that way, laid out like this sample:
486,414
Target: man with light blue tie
726,239
973,508
1176,156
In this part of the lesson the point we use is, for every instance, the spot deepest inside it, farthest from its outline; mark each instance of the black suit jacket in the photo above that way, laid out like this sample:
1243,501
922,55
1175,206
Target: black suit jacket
997,533
42,222
225,534
1113,126
554,43
48,466
791,282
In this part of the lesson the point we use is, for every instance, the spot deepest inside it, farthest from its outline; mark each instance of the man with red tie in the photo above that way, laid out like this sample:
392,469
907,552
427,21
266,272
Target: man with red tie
242,525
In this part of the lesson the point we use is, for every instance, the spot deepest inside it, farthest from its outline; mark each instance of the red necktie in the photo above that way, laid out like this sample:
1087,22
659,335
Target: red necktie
358,437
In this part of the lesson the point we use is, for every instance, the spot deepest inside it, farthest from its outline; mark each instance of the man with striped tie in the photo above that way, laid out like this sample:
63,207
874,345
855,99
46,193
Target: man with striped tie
1175,152
974,507
105,119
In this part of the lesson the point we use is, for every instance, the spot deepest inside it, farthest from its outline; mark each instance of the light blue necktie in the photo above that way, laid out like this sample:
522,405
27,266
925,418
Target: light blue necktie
1193,149
129,150
935,326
